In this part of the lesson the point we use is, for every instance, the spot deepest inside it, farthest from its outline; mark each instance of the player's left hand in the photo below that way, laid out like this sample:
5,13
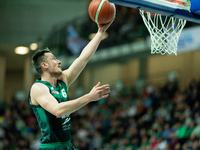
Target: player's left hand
104,27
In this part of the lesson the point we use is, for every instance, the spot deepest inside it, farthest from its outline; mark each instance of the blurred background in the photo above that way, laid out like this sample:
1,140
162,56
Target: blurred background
154,103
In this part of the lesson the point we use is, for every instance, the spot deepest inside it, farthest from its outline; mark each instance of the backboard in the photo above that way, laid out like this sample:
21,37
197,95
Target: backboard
165,8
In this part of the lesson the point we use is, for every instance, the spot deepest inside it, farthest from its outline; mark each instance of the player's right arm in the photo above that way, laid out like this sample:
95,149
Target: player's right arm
40,95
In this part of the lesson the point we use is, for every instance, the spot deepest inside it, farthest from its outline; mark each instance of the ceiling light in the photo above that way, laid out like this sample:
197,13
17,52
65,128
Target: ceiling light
33,46
21,50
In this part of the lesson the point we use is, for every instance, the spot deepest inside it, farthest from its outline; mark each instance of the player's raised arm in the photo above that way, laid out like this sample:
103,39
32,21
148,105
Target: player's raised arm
78,65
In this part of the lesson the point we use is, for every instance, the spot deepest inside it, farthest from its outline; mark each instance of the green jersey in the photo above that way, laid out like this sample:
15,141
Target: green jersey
56,132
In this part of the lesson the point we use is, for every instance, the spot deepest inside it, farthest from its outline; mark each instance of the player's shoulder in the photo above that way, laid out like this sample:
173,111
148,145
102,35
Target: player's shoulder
39,87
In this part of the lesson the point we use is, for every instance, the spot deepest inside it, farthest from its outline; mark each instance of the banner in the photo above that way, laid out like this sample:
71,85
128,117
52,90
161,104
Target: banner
189,39
74,42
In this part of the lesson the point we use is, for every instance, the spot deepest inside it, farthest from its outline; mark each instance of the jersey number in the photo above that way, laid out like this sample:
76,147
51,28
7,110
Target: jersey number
64,94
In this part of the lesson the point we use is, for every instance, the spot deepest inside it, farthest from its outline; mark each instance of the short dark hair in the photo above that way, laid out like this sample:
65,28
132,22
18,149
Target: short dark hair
38,58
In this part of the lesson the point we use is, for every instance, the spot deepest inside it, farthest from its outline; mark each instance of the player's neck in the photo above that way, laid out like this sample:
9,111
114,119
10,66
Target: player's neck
50,79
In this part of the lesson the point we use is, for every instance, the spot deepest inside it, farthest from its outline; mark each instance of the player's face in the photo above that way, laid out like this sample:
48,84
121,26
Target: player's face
54,65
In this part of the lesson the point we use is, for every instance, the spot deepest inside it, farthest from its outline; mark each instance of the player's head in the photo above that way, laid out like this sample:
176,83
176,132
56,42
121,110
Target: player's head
38,58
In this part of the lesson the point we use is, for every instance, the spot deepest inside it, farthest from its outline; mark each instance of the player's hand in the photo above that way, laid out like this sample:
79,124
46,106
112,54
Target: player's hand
104,27
99,91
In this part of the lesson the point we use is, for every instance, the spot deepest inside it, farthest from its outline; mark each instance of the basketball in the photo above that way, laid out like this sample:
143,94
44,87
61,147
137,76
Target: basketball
101,11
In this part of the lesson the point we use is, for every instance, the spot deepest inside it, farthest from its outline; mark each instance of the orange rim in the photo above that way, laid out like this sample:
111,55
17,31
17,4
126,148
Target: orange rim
177,1
174,1
150,13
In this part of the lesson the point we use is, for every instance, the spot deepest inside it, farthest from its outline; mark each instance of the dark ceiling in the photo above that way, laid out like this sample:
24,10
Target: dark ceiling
23,22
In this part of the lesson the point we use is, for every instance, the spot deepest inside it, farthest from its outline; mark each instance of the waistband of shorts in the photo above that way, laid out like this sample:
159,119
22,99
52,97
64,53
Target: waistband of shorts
56,145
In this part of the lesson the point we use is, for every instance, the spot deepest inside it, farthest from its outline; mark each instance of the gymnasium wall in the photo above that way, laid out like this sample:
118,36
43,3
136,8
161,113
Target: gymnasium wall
13,83
2,75
110,73
157,71
185,64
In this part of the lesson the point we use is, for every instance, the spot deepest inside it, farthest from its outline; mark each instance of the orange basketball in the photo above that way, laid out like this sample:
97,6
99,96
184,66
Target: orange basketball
101,11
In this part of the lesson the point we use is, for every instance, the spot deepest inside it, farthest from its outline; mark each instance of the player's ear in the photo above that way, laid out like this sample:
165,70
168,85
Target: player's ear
44,64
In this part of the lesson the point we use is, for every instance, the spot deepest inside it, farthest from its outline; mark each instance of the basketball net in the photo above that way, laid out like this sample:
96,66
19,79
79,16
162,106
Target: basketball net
164,32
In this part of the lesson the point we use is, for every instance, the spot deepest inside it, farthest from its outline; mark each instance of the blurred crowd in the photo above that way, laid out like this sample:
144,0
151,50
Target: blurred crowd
153,118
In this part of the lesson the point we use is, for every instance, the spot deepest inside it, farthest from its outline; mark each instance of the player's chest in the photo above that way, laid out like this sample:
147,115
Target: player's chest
59,93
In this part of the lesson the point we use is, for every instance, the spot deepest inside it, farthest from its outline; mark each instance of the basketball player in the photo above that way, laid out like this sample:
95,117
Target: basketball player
49,95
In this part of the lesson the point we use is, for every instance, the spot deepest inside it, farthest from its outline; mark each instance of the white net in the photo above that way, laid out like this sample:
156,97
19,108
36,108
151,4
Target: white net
164,32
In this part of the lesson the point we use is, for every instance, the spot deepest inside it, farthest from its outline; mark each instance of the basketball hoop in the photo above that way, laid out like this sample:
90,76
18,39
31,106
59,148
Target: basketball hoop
164,32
